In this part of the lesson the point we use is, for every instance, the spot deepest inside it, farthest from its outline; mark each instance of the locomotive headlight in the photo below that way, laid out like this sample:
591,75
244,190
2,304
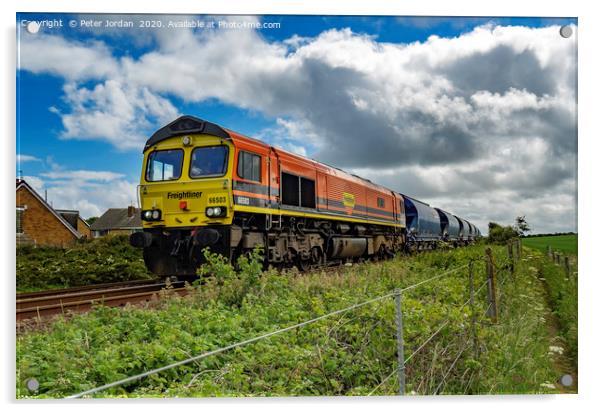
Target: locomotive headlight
186,141
215,211
151,215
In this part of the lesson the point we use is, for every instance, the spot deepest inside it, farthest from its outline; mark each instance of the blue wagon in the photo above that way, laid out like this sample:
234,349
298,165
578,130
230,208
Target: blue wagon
422,221
466,230
450,225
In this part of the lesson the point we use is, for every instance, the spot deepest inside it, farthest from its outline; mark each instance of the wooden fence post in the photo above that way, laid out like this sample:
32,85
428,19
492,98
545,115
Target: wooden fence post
511,255
473,315
567,266
492,312
549,252
519,248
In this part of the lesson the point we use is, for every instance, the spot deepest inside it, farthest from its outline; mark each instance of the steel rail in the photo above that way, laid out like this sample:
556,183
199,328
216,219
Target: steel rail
119,297
29,295
89,294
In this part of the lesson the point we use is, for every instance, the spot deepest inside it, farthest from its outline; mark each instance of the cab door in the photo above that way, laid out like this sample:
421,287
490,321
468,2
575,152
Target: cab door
273,179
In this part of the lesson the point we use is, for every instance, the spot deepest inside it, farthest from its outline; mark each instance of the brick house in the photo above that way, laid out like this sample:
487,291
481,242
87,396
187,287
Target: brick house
117,222
40,224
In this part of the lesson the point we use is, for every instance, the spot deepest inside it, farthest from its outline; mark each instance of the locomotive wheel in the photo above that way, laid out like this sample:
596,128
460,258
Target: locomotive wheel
315,260
304,265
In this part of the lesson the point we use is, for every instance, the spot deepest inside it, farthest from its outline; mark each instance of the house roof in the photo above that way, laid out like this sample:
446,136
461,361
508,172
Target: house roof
118,219
23,184
71,216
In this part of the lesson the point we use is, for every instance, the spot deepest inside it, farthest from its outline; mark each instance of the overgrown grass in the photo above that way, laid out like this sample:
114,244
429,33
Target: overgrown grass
563,243
516,357
562,292
348,354
104,260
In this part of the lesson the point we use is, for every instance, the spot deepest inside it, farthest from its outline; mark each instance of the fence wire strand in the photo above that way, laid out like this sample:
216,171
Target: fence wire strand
394,372
443,325
443,381
426,342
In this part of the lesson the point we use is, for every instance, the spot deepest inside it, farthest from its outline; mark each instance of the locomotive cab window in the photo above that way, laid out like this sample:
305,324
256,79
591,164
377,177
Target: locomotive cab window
209,161
298,191
380,202
164,165
249,166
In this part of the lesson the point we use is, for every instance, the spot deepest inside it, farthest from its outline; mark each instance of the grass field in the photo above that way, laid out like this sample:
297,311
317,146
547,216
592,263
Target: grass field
564,243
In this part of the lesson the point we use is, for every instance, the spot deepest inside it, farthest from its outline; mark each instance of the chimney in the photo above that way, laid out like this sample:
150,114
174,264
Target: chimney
131,211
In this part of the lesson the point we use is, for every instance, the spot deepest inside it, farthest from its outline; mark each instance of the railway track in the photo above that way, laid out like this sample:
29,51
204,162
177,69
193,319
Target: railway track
43,304
81,299
51,292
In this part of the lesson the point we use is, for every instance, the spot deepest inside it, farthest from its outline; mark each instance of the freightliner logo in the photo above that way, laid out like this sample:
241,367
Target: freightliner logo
184,195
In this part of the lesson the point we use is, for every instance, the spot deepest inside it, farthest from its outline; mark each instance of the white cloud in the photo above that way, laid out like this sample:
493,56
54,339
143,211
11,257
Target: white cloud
70,59
90,192
22,158
91,200
83,175
114,111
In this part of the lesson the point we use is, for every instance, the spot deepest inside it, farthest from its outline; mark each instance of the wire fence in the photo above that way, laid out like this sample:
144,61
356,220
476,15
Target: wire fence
560,259
400,368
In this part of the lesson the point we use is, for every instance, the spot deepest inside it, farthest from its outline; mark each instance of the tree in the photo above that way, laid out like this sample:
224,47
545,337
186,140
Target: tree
91,220
522,226
501,234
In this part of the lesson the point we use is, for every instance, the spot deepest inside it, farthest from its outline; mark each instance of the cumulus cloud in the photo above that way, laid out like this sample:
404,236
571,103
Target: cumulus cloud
70,59
114,111
485,120
91,192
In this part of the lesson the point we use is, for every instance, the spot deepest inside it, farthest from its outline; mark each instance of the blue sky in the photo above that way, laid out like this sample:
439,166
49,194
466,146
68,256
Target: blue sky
56,99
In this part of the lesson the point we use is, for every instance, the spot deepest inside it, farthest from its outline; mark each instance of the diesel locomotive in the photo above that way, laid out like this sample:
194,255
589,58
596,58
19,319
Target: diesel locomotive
204,186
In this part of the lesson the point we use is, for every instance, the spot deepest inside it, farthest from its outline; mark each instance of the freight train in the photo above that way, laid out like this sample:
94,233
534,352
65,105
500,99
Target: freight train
204,186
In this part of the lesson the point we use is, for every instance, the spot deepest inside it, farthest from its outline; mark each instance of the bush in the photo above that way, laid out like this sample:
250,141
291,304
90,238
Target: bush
104,260
500,235
218,276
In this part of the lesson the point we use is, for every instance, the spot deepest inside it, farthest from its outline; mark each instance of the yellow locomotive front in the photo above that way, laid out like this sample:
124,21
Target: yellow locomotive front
185,196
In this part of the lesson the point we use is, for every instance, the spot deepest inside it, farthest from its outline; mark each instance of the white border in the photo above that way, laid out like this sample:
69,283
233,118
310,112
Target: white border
589,186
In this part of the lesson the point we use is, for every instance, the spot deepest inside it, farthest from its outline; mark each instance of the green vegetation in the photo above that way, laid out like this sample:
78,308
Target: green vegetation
500,235
104,260
563,243
346,354
561,289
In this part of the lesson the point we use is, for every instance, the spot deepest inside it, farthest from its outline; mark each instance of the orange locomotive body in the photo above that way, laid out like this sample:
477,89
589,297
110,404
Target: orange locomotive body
299,211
